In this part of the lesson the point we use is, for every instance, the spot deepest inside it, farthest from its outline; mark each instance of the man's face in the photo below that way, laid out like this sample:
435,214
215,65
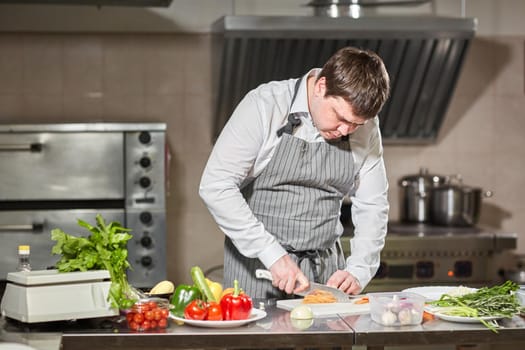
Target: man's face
332,116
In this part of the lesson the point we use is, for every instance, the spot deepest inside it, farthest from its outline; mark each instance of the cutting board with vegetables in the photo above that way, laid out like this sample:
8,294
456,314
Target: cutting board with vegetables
326,309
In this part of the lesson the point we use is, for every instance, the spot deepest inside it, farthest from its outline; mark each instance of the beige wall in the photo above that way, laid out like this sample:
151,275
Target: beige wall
167,78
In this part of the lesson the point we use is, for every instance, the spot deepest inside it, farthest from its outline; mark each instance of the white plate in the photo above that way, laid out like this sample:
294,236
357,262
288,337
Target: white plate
461,319
433,292
254,316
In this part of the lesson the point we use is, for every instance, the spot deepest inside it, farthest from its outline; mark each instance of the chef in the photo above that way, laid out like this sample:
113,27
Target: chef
278,173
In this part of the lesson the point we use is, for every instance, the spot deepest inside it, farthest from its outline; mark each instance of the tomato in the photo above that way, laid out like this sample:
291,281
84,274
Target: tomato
152,305
163,323
148,315
153,324
196,310
133,325
138,318
157,314
165,313
214,311
129,316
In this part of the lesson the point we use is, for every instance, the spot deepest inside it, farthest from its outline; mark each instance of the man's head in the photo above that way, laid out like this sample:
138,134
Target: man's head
360,78
351,88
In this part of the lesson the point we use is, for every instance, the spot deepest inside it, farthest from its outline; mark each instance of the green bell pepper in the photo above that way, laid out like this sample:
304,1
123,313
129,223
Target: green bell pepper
183,295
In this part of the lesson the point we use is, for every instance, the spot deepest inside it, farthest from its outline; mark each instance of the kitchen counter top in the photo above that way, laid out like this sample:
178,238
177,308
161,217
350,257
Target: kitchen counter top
274,331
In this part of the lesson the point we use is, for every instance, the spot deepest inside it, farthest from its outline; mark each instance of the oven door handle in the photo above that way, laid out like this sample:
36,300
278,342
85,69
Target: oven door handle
35,227
30,147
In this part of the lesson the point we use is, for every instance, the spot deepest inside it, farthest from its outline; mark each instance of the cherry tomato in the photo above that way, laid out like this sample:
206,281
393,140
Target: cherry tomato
196,310
152,305
138,318
133,325
163,323
148,315
214,311
129,316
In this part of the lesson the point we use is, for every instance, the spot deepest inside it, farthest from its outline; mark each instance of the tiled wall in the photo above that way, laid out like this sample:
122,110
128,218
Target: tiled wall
167,78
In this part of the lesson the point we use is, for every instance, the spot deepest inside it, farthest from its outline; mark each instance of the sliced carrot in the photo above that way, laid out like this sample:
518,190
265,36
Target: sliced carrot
427,316
363,300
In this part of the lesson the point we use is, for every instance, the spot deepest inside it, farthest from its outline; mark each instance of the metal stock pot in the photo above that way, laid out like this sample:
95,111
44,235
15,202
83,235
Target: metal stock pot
454,204
416,195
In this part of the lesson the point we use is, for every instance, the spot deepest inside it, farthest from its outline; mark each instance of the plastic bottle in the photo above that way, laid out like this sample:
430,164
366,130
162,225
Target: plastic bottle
23,258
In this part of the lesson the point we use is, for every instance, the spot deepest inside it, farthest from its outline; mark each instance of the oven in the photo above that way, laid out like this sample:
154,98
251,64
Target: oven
54,174
417,255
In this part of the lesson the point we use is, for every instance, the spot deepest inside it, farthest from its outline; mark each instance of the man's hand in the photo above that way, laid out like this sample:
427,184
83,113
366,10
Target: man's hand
287,276
344,281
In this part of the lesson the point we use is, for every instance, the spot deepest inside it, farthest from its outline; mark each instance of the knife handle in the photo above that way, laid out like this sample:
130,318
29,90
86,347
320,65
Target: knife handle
265,274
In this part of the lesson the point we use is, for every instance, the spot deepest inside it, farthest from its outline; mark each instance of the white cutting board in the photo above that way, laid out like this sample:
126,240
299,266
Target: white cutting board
328,308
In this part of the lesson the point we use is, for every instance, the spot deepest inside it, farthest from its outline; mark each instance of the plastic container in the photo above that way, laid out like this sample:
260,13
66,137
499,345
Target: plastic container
396,309
148,314
520,293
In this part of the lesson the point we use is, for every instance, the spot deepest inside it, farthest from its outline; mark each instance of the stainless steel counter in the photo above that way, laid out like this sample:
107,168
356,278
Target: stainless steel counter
274,331
375,336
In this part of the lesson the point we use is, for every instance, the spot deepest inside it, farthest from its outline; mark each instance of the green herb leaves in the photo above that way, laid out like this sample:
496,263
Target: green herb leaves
104,249
497,301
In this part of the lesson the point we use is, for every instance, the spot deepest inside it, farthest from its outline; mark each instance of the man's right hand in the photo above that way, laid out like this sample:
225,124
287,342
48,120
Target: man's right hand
287,276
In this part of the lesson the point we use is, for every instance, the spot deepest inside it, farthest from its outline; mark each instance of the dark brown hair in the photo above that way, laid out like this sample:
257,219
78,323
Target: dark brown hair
360,77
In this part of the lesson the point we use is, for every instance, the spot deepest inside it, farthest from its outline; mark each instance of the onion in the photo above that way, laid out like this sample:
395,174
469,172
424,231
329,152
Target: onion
302,312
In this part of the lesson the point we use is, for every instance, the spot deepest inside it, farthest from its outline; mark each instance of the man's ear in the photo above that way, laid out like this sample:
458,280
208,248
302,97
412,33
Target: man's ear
320,87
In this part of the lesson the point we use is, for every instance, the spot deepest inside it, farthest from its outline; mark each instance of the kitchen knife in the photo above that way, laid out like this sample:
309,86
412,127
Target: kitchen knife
341,296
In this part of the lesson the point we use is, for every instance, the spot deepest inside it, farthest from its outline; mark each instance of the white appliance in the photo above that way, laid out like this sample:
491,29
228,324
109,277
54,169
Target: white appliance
49,295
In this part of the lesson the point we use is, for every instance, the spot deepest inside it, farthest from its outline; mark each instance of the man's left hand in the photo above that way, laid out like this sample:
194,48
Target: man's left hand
344,281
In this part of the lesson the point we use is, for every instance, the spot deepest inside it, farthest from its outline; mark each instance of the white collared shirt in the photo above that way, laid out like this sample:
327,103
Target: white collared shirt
246,145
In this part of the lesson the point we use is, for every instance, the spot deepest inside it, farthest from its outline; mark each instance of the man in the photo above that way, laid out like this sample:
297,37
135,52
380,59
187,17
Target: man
278,173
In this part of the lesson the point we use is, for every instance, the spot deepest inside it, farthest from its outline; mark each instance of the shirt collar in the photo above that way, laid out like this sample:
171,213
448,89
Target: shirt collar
300,105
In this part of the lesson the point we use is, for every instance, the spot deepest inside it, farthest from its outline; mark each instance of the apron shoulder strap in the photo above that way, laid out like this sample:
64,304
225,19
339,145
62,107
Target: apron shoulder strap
293,118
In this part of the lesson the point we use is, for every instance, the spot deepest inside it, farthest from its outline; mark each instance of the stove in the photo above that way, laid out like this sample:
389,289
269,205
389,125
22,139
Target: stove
419,254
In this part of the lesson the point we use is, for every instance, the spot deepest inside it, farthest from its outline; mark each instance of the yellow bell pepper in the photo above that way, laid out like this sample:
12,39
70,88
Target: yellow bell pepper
216,289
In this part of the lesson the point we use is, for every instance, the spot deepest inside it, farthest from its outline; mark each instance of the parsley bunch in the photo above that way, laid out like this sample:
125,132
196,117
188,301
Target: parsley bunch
104,249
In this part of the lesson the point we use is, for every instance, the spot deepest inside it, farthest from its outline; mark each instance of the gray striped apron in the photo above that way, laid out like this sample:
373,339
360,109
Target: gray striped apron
298,198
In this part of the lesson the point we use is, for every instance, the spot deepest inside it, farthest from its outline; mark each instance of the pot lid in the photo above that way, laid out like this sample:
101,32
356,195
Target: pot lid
422,177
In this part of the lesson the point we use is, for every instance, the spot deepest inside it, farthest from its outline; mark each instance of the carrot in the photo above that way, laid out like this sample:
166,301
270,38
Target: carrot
363,300
427,316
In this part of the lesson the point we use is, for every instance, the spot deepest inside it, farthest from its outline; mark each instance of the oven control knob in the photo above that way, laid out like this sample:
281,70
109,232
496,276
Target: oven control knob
145,162
463,268
145,217
145,182
424,269
145,137
146,241
146,261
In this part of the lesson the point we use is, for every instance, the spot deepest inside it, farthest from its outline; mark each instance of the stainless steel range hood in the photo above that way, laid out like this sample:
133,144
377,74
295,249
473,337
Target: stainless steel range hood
423,55
98,3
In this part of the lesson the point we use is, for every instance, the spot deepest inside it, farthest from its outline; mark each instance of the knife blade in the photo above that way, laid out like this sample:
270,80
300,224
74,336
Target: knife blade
341,296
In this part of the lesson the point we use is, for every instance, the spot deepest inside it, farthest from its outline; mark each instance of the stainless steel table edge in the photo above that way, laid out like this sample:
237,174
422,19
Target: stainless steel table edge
434,332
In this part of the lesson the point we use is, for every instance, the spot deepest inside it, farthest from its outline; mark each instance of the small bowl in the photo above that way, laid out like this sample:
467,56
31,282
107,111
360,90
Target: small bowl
148,314
396,309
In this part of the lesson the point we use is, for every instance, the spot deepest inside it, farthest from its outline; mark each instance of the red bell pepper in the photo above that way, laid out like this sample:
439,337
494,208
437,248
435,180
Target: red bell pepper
236,305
